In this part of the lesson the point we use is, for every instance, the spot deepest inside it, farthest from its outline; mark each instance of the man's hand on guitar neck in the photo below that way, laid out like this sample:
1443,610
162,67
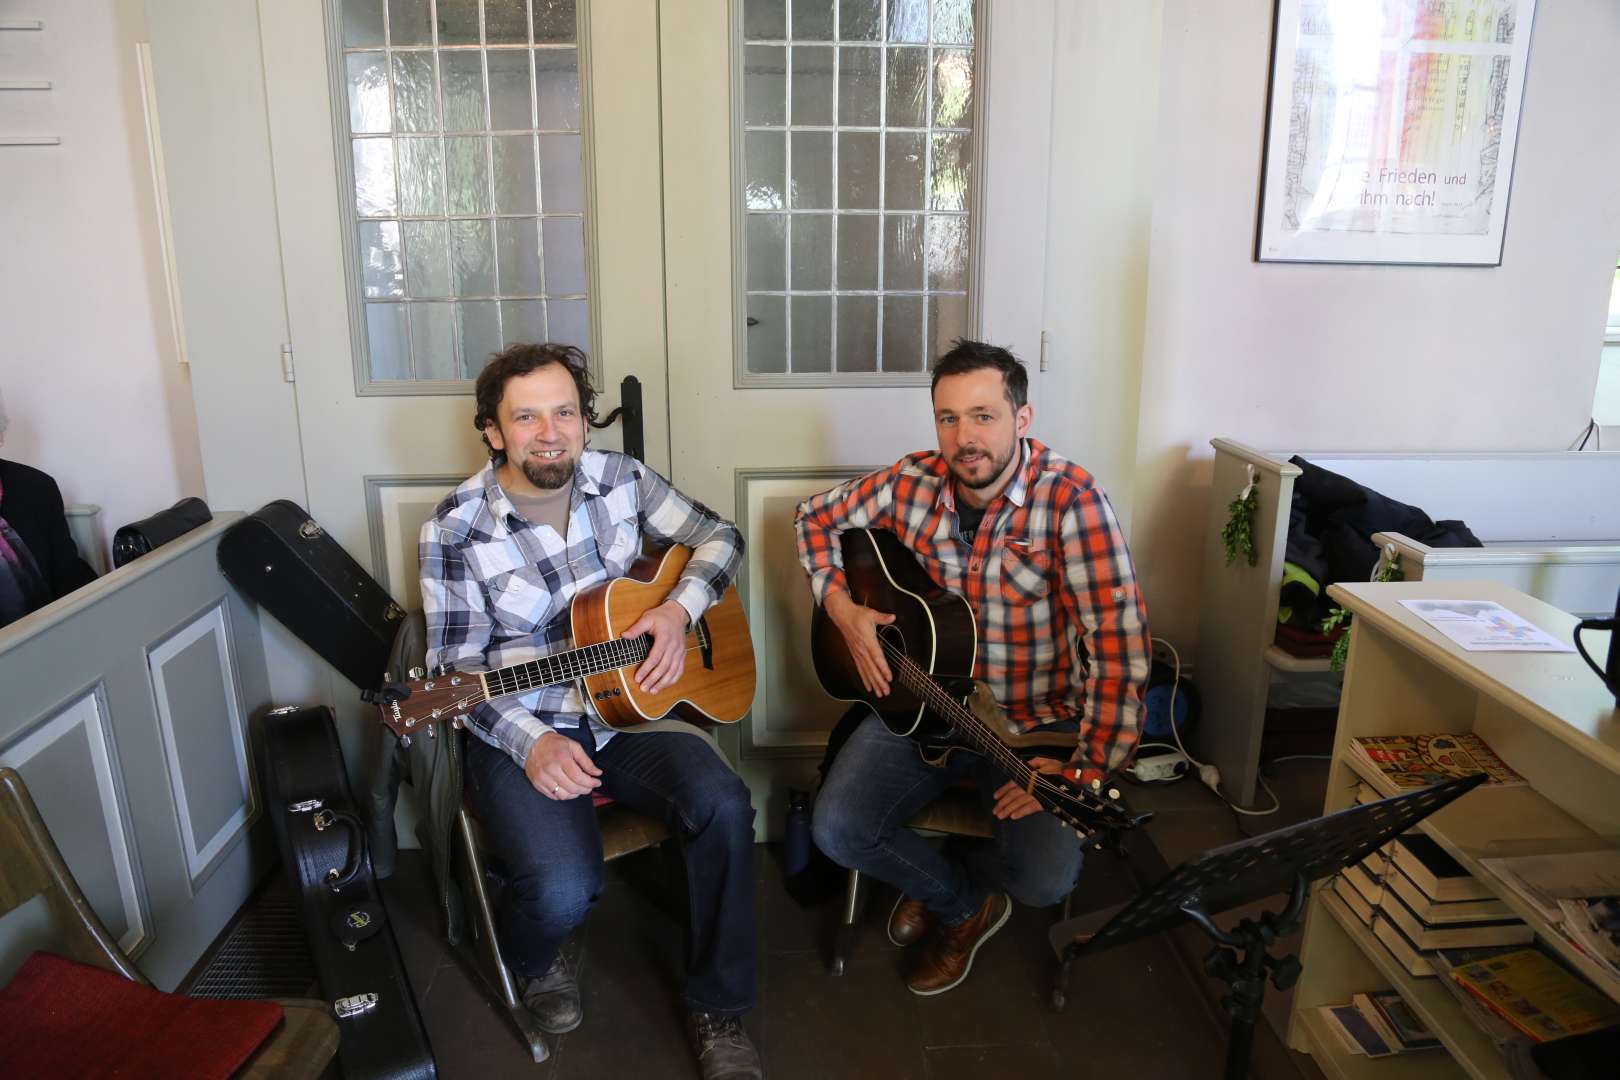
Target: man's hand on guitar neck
559,768
859,626
666,659
1013,802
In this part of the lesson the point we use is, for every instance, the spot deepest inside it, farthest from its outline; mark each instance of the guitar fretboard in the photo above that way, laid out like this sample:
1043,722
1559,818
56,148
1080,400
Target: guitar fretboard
574,664
566,667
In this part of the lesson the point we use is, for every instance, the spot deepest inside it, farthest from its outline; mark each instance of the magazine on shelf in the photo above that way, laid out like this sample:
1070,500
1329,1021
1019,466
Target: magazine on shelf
1543,880
1354,1031
1532,992
1408,762
1395,1022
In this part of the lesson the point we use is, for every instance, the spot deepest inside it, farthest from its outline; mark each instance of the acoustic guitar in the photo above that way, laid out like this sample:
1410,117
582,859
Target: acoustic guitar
717,684
932,697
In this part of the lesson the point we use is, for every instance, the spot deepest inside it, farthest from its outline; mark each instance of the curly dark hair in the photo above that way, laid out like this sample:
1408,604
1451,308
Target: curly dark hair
965,356
521,359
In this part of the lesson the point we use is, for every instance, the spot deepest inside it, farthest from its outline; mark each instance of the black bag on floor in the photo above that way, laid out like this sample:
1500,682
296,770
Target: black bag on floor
290,566
323,847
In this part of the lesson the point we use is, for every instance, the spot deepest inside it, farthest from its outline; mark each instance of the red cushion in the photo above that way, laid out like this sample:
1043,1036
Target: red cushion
62,1019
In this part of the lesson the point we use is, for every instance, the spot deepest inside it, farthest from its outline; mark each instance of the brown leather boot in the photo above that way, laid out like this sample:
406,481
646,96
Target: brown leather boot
949,956
909,922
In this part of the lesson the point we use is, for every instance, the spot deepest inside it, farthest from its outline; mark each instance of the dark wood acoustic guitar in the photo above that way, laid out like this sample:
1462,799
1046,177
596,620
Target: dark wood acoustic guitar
930,648
717,684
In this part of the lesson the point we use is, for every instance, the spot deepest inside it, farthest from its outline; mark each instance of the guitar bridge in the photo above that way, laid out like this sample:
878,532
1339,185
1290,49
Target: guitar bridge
705,643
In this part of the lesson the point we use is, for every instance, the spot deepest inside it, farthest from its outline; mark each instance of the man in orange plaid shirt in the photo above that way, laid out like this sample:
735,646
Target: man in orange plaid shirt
1030,541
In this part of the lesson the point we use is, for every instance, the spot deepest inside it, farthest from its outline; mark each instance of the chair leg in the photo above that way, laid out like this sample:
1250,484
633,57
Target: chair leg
844,938
497,977
1059,999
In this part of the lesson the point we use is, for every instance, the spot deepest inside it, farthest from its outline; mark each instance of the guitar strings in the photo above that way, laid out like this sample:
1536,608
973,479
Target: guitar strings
933,693
478,697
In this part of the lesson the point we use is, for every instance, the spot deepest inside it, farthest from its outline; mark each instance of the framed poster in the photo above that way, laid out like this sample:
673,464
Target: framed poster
1390,130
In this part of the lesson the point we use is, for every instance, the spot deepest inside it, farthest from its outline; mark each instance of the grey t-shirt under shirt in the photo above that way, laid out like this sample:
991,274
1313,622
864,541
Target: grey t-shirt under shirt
548,508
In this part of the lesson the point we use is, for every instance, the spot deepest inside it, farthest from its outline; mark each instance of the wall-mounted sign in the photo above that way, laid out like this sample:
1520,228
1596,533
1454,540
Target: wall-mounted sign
1391,129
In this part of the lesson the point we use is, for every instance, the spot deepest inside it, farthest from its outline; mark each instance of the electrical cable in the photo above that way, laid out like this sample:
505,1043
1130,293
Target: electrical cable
1208,773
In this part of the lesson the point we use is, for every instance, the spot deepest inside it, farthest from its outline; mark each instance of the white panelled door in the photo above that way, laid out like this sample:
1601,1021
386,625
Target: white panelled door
437,194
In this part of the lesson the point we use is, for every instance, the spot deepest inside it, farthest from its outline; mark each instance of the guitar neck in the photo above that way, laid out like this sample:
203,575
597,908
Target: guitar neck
566,667
973,730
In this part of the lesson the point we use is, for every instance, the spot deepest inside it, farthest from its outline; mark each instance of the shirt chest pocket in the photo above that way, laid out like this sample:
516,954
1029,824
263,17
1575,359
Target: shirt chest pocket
517,592
618,546
1025,574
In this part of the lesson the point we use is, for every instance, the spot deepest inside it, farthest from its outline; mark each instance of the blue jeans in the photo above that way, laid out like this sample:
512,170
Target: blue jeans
553,853
879,781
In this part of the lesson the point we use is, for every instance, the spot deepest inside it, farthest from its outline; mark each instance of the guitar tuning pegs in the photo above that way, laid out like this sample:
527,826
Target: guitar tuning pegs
441,671
415,673
1113,793
1096,785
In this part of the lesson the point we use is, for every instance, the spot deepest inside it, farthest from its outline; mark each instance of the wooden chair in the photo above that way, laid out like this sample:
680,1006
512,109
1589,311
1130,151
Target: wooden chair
31,865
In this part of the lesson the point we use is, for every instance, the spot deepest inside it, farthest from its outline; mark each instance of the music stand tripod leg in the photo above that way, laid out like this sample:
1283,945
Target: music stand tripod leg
1240,959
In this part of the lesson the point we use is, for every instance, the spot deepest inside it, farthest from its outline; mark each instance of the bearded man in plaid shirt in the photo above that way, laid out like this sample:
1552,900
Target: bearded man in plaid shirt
502,558
1030,541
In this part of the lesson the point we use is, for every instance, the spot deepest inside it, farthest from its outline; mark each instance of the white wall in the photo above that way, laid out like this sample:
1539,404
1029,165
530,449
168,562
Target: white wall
1359,358
87,361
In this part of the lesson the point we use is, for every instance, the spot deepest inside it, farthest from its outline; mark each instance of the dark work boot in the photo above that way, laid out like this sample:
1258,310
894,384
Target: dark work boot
723,1049
553,999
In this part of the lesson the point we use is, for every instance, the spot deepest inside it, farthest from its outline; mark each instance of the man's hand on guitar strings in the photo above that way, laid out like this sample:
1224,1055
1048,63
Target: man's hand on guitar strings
666,659
859,626
559,768
1013,802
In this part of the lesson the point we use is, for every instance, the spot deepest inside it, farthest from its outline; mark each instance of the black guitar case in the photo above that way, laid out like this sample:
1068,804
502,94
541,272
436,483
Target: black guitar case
288,564
323,846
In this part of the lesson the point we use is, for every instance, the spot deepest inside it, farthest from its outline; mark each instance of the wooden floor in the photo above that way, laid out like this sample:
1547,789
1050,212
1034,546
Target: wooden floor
1138,1012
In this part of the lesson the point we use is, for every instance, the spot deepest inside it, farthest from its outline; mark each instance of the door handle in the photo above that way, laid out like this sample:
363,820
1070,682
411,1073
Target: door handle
629,408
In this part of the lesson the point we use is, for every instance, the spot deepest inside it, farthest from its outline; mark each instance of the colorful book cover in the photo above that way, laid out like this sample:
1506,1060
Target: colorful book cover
1416,761
1535,995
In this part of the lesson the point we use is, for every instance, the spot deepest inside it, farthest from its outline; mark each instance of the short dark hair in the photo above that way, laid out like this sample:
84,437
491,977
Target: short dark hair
521,359
965,356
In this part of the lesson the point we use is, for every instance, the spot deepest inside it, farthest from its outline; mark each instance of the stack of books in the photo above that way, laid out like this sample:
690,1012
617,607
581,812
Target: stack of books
1417,899
1378,1025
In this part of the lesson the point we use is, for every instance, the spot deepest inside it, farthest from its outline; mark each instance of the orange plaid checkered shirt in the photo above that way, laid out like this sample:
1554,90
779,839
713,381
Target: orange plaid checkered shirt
1062,627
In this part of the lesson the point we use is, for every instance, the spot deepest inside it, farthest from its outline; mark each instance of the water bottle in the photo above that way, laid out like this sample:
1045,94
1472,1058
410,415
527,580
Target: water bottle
796,833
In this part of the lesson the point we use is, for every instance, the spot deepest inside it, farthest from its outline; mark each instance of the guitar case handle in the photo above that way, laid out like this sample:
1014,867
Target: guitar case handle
340,877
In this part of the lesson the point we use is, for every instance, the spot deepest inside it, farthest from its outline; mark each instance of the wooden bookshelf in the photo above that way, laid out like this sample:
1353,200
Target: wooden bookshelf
1548,717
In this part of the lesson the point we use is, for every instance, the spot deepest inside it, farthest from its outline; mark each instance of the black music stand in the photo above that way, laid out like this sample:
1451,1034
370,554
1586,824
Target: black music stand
1250,870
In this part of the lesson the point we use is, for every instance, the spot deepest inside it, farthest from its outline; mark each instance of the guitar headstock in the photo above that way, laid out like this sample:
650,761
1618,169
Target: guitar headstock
411,705
1096,811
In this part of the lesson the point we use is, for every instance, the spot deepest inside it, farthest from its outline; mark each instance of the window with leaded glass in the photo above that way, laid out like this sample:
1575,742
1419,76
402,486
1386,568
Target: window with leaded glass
857,135
469,201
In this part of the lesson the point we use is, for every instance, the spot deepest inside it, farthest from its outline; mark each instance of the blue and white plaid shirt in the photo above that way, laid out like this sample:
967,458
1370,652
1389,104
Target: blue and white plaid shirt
496,588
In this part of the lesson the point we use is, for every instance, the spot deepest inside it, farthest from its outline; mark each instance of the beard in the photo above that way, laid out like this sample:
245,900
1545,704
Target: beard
998,465
548,475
